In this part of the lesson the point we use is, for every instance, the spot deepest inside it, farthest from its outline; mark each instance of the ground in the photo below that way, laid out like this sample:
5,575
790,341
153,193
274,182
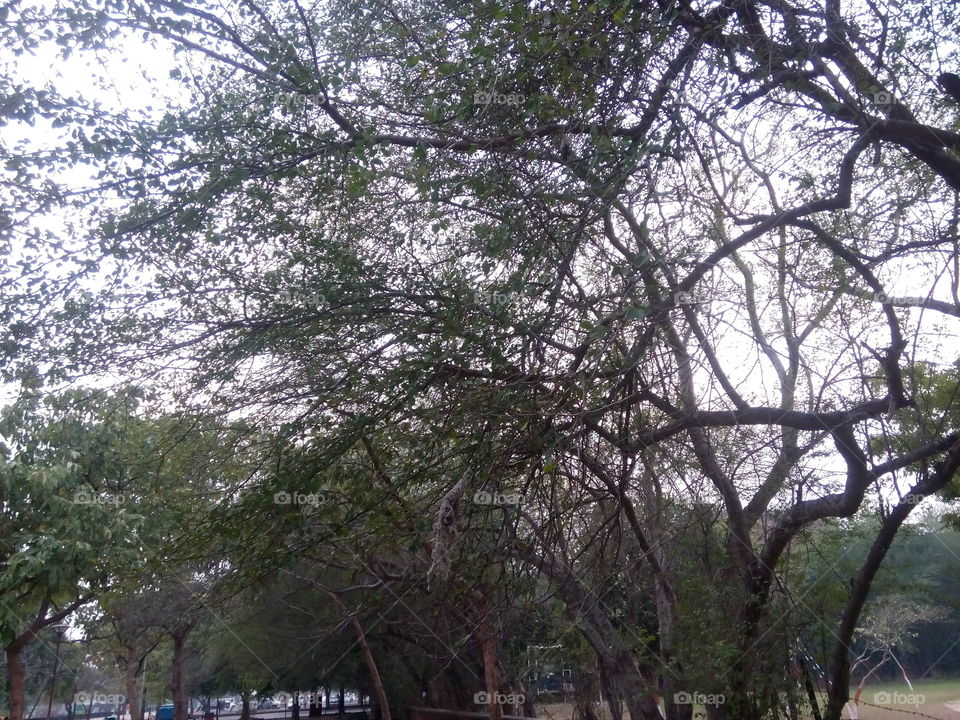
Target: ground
938,699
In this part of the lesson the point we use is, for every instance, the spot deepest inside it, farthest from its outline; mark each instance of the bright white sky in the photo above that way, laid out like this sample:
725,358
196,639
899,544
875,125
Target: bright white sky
135,76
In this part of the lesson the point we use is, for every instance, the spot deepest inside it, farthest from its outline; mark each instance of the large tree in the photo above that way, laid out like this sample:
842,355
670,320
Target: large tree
617,258
67,530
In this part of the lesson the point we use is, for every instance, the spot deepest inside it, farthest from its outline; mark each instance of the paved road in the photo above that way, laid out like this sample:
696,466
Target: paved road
279,714
282,714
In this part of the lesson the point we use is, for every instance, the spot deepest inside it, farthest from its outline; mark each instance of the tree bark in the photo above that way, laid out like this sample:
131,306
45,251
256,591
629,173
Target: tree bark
584,700
131,675
15,683
811,690
528,708
617,663
177,686
368,659
372,669
665,623
487,639
612,695
838,689
15,677
244,705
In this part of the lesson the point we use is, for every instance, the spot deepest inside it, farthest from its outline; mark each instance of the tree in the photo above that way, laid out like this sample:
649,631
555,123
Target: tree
64,531
133,624
886,630
606,255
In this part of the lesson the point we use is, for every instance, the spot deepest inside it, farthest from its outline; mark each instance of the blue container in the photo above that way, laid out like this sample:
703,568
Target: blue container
165,712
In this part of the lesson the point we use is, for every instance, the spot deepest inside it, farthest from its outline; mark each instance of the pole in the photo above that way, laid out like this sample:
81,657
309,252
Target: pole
61,629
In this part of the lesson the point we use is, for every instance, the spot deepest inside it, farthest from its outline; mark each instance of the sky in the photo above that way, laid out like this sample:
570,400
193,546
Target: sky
135,75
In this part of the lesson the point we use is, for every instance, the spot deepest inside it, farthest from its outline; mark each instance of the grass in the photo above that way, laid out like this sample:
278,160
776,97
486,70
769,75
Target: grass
894,698
935,696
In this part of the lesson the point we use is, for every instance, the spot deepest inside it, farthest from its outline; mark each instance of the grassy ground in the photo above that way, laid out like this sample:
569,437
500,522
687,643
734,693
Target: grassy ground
938,699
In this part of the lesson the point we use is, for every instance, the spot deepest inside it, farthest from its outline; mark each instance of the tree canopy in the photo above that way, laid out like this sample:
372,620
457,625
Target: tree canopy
606,308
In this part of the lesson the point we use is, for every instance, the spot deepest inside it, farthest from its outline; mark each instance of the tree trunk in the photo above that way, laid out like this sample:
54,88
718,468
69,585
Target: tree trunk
15,678
15,682
617,663
131,676
426,697
838,689
383,703
244,705
811,690
451,690
612,695
491,678
177,686
584,700
626,674
528,708
369,661
663,595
